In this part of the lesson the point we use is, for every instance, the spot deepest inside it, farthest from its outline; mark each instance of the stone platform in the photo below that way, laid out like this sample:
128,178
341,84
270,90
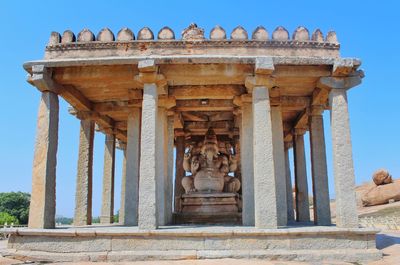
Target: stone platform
113,243
209,208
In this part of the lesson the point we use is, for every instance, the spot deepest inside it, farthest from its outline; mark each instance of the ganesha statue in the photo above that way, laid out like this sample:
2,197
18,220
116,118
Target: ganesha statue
209,168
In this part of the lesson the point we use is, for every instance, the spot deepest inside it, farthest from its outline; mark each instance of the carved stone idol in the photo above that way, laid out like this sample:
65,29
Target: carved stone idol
209,168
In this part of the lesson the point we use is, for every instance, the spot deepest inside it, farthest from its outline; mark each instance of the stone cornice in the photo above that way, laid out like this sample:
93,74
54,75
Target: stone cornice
182,59
138,44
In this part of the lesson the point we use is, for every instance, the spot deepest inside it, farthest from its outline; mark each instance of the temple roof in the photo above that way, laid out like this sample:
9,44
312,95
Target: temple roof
204,78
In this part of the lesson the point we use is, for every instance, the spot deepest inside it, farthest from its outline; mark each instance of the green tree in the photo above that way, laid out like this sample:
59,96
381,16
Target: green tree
16,204
6,218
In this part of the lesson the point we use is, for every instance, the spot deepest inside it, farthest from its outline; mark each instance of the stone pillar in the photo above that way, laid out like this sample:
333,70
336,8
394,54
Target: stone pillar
265,199
148,208
300,174
279,162
43,200
84,179
123,185
346,208
289,189
321,202
129,190
161,164
247,166
170,169
107,207
179,171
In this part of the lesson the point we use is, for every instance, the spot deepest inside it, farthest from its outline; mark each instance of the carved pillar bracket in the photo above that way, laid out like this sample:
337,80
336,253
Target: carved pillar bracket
41,78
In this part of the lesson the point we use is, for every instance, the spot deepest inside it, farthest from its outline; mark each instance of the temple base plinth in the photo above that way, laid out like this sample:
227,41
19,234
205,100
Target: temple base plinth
209,208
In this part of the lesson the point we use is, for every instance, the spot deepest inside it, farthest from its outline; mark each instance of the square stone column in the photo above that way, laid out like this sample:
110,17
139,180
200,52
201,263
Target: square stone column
289,189
300,177
321,202
161,164
265,199
279,162
179,171
84,178
128,213
148,208
170,169
247,166
346,208
43,199
107,206
121,218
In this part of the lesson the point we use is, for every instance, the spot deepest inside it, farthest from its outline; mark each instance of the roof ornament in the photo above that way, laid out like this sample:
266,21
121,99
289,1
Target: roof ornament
193,33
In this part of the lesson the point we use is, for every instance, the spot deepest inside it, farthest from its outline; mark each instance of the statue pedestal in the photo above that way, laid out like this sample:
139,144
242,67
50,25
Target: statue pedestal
210,208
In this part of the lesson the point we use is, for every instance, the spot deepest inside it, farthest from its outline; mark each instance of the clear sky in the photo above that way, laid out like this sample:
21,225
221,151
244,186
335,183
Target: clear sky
366,29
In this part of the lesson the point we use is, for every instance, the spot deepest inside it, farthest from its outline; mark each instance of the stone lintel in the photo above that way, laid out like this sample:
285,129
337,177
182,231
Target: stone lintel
259,81
264,65
331,82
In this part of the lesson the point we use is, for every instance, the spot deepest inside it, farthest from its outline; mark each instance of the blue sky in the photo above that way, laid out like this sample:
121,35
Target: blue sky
366,29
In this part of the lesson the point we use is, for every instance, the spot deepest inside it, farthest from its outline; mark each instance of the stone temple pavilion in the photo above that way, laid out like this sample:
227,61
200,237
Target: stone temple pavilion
222,113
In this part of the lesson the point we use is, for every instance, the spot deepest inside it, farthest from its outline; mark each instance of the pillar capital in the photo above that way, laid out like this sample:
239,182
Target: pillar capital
259,80
120,145
316,110
299,131
288,144
148,74
41,78
338,82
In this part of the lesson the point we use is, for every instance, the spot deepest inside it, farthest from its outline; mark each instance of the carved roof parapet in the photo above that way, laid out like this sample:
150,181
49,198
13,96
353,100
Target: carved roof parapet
193,34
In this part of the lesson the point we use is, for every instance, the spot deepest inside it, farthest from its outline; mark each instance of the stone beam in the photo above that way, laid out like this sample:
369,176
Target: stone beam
193,116
206,92
42,79
193,126
178,121
117,106
204,105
